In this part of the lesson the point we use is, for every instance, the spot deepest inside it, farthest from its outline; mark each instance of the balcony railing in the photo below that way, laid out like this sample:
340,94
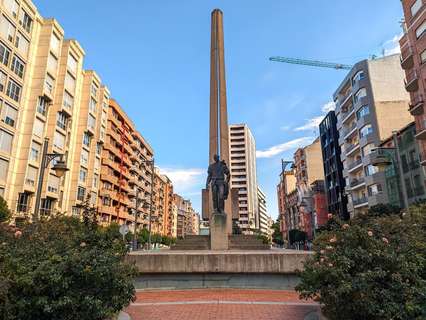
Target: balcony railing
351,147
421,129
407,60
412,81
354,164
357,181
416,105
349,130
360,201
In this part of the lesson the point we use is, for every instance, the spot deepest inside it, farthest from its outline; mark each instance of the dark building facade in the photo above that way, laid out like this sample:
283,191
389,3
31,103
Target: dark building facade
333,167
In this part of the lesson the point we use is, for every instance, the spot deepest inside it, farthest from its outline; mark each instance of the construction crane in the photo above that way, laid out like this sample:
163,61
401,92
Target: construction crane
313,63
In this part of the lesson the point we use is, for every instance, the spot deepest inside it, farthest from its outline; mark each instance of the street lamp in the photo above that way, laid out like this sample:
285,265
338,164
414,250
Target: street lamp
59,167
382,161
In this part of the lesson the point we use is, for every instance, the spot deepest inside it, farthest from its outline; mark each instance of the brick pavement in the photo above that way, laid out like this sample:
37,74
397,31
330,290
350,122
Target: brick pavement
223,304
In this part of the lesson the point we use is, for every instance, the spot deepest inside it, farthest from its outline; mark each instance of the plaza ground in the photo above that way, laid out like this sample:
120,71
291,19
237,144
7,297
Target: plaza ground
224,304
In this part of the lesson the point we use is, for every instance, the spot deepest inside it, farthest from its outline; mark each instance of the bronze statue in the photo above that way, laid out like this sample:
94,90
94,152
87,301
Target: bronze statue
218,177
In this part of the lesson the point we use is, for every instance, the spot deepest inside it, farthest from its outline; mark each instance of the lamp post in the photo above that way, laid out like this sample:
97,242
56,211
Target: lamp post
60,168
382,162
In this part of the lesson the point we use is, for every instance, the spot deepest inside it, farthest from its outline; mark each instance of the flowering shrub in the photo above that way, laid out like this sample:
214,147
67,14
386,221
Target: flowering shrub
373,267
62,269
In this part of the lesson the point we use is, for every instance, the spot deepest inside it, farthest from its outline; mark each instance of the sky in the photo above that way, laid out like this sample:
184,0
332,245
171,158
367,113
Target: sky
154,58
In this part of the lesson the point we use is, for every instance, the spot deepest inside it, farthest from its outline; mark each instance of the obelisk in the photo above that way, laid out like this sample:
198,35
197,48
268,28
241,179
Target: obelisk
218,137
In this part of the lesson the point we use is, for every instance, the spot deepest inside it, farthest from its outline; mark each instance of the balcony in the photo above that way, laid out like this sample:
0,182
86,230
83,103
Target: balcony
360,202
351,148
412,81
407,58
349,131
416,105
421,129
355,165
357,183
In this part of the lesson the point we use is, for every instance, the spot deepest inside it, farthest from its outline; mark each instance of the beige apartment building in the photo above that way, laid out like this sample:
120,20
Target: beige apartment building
264,218
163,204
243,175
371,102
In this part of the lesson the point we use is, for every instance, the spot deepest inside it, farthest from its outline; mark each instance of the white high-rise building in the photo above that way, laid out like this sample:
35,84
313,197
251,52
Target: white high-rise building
264,218
243,175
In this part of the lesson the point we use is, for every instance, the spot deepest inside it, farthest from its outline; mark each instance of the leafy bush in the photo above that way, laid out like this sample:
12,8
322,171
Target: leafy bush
4,210
372,268
63,269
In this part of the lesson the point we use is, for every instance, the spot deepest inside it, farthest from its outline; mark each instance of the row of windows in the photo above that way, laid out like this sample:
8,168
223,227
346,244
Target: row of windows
13,89
9,33
12,7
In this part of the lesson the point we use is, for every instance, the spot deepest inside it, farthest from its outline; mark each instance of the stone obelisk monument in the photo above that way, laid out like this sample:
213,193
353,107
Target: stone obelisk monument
218,137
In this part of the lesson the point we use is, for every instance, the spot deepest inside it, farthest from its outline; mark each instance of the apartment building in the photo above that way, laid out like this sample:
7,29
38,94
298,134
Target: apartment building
413,57
371,102
333,167
174,219
264,218
285,187
413,174
163,204
188,221
243,175
125,175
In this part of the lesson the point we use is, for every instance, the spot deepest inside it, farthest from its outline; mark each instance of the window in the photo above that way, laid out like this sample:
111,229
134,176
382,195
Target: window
374,189
5,141
358,76
4,166
91,122
98,148
9,114
22,44
4,54
95,180
97,164
49,84
12,6
81,192
55,43
421,29
7,29
94,89
42,106
25,21
416,7
92,105
366,150
423,56
68,100
370,170
360,94
59,140
23,200
52,63
14,90
53,184
84,158
38,128
86,139
75,211
72,64
18,66
93,196
35,151
31,176
3,79
363,111
70,83
365,130
61,120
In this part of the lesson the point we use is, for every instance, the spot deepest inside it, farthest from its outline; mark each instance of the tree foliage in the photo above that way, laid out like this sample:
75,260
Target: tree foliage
63,269
277,236
4,210
372,268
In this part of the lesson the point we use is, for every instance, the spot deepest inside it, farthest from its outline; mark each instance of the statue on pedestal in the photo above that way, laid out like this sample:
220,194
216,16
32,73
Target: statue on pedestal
218,177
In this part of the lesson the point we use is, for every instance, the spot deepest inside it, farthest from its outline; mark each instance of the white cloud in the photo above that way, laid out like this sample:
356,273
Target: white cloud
311,124
185,180
329,106
275,150
391,46
285,128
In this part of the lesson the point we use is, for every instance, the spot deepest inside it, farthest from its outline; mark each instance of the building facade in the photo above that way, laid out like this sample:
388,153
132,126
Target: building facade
243,175
409,160
413,56
287,201
264,218
163,204
188,221
370,104
333,167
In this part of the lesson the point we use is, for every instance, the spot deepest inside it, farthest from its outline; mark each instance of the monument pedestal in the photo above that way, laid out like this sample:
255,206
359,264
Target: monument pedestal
218,232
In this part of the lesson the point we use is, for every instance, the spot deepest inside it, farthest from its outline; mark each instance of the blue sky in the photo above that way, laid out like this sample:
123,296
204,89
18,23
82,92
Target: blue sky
154,57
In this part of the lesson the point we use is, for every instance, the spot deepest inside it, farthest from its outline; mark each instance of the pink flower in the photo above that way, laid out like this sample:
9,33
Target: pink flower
329,216
322,260
329,247
330,265
322,251
333,240
83,244
345,226
370,233
385,240
18,234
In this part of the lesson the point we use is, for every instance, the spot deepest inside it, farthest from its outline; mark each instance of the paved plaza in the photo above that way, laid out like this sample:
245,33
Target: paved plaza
223,304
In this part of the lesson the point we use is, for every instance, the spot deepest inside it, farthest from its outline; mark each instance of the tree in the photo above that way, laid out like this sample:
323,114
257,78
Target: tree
373,267
277,236
4,210
63,269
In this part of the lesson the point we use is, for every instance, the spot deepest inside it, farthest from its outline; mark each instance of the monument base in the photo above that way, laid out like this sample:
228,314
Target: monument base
218,232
